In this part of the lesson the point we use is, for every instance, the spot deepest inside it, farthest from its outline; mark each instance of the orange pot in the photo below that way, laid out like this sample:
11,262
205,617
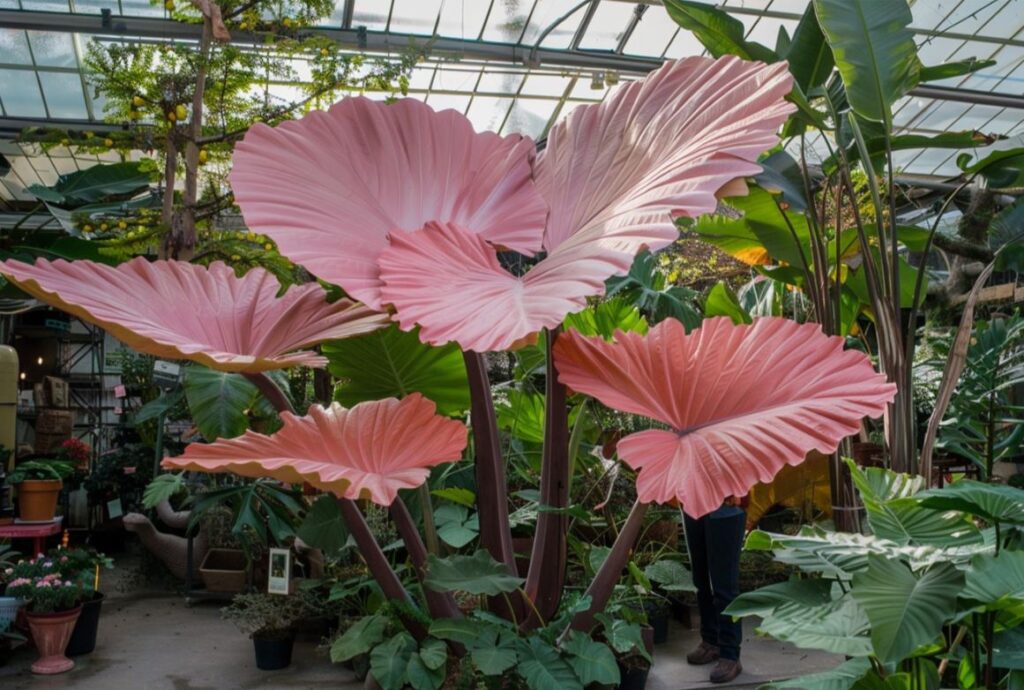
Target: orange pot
37,499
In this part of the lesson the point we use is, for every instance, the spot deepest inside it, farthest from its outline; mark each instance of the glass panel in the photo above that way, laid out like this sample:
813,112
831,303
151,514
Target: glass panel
20,94
64,164
960,16
63,94
684,45
9,5
652,34
462,18
373,14
608,25
46,5
766,30
448,79
21,167
415,16
421,77
545,14
488,113
14,47
500,82
1006,24
446,101
530,116
589,87
545,85
94,6
140,8
52,49
44,168
508,20
956,116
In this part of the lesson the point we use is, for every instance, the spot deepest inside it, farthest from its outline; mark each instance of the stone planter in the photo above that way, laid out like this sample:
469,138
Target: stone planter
51,633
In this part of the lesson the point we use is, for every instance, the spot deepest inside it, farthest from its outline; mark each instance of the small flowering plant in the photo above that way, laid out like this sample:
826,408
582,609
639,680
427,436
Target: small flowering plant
43,586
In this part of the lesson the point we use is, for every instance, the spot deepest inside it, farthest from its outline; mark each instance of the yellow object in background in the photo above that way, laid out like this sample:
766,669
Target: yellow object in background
8,399
802,487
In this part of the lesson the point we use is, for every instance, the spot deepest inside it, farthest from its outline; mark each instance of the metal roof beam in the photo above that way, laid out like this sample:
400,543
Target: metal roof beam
435,46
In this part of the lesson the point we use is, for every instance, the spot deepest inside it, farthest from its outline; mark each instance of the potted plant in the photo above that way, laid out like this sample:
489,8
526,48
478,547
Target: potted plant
38,483
82,566
270,620
9,605
53,606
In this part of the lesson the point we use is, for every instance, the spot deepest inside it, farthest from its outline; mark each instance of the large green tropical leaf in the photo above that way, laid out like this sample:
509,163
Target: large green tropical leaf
996,503
522,414
455,525
1004,168
94,183
718,31
543,669
996,582
592,661
722,301
390,660
906,609
493,651
670,575
323,527
809,55
476,574
394,363
648,289
219,401
362,636
958,68
805,592
839,626
874,51
842,677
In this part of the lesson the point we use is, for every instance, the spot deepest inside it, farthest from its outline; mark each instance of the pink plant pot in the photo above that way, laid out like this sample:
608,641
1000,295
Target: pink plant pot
51,632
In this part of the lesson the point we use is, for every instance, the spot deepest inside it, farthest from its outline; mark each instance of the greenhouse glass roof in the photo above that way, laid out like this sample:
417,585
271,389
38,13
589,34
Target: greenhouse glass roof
509,65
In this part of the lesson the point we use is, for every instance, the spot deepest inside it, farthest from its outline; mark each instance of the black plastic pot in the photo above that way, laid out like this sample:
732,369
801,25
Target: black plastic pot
658,615
83,637
632,678
273,652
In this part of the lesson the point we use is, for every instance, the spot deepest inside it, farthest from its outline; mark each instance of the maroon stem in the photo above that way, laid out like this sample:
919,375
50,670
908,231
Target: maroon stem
377,562
440,604
546,576
601,588
270,391
491,491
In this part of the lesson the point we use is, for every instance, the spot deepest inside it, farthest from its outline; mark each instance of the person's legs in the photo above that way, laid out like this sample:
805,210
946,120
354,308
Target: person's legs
725,541
697,544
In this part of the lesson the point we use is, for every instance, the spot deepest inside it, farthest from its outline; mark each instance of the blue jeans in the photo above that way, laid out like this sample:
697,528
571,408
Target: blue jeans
715,542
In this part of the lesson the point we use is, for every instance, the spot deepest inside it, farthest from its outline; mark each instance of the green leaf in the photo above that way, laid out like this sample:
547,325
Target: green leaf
671,576
360,638
522,415
434,653
718,31
394,363
762,228
607,317
493,652
806,592
874,51
158,406
1004,168
462,630
780,174
323,528
162,488
842,677
625,638
592,661
219,401
455,526
996,582
992,502
906,610
809,55
93,184
957,68
543,669
476,574
722,301
646,287
421,677
390,660
455,494
838,626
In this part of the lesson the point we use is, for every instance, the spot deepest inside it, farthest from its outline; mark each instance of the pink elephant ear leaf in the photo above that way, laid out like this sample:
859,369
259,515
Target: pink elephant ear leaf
343,179
741,402
178,310
369,451
618,172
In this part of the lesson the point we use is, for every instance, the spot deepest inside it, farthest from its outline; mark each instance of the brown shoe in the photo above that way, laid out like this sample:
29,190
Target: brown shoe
726,670
704,654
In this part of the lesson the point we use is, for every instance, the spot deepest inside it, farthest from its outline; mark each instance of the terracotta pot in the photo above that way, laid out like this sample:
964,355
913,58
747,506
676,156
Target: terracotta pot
51,633
37,499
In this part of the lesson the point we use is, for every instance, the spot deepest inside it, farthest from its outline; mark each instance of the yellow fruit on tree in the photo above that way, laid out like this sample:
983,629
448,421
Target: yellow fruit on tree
169,5
325,52
202,156
89,135
87,228
286,21
181,111
103,226
171,116
138,101
121,224
108,143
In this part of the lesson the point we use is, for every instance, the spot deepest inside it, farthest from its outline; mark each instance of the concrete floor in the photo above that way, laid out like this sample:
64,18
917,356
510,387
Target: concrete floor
153,641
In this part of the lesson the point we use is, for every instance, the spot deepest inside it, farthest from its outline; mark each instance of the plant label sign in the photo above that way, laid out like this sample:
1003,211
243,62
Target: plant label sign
279,572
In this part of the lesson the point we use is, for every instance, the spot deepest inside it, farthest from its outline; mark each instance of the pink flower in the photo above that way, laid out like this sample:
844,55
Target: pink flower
407,207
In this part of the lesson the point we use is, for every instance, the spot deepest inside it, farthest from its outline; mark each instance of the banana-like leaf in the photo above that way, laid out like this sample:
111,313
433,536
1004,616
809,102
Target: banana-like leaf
718,31
810,57
94,183
994,503
996,582
840,627
722,301
842,677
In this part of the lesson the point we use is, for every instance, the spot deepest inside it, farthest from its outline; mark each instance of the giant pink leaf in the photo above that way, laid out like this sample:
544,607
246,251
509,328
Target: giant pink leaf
328,188
179,310
615,175
741,402
662,147
369,451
